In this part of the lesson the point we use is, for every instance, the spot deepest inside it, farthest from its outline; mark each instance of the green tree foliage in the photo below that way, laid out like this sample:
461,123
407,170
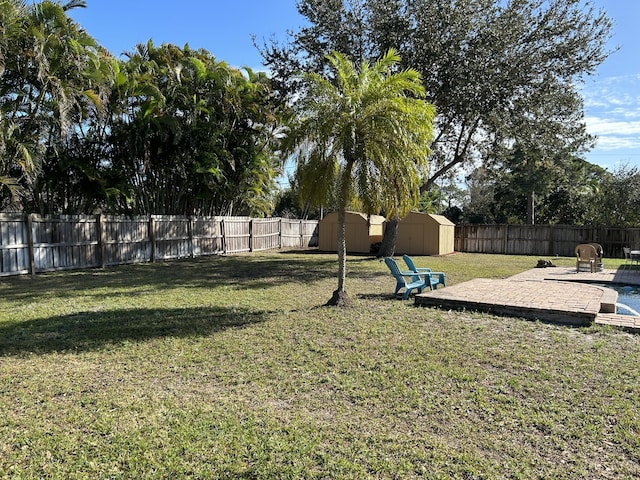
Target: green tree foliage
46,88
548,189
363,134
619,203
290,203
545,144
488,66
166,130
569,190
192,136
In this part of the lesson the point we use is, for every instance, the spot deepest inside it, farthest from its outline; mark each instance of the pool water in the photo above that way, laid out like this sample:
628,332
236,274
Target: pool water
627,295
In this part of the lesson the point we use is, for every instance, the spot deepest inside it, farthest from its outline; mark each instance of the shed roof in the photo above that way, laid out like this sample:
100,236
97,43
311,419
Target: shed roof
415,217
372,219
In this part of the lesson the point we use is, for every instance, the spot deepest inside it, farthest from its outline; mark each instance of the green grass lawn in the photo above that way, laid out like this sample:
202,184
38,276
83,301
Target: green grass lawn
230,367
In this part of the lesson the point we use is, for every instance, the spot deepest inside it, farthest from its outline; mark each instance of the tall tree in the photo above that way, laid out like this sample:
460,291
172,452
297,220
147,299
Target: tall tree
12,29
568,190
541,147
483,62
363,133
44,88
619,204
167,130
192,135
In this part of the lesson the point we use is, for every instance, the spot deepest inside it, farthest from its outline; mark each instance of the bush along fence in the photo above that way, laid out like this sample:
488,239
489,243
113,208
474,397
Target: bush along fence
543,240
30,244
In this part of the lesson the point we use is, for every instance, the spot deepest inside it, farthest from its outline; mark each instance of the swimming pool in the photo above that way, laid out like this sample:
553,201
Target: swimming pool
628,299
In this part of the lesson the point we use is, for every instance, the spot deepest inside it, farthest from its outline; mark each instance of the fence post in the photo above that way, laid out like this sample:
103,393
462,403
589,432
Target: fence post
224,237
301,235
190,235
506,240
152,238
30,247
101,240
463,243
251,235
280,232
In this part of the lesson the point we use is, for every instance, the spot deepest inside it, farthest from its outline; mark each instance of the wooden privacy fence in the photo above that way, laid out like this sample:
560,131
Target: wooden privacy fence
32,243
543,240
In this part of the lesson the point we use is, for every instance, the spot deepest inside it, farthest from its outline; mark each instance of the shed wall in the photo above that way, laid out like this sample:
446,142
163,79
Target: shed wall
424,234
359,234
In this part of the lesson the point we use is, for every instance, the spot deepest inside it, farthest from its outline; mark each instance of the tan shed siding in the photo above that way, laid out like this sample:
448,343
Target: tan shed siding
324,234
425,234
447,238
360,232
432,238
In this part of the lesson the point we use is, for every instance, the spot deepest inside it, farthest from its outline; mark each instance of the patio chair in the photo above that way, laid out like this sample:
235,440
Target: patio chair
599,254
434,278
407,280
629,258
586,255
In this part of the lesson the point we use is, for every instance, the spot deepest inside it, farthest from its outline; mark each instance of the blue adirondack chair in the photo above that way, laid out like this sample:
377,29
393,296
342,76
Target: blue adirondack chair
433,279
407,280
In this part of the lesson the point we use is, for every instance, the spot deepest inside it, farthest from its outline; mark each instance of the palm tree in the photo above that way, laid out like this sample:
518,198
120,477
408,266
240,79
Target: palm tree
363,135
46,87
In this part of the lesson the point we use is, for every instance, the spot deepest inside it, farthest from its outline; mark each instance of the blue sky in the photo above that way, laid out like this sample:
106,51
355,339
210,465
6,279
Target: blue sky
612,95
225,28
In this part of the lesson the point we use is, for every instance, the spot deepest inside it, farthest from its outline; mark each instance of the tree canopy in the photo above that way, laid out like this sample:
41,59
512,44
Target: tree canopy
48,84
167,130
487,66
190,134
170,129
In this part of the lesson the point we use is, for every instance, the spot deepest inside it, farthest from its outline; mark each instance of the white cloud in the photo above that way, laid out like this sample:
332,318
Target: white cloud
612,126
609,143
612,91
626,113
612,107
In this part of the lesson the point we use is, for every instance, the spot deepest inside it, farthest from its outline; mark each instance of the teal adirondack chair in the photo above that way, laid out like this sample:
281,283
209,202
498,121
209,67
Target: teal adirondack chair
432,278
407,280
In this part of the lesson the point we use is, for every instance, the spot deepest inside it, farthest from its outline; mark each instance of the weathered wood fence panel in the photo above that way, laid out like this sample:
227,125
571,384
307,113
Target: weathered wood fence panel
32,243
171,237
236,234
206,235
543,240
290,233
64,242
14,245
126,240
309,233
299,233
265,234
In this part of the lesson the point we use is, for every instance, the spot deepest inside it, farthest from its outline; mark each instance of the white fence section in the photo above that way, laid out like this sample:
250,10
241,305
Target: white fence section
32,243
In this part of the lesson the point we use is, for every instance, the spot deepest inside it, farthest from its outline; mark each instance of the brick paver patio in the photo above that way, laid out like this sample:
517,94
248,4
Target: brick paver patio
554,294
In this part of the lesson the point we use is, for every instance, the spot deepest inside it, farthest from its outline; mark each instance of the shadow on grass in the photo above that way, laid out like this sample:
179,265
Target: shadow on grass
245,271
85,331
380,296
250,271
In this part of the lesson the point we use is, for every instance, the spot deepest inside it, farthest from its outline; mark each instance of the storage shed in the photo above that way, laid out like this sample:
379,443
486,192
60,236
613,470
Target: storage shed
425,234
361,232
